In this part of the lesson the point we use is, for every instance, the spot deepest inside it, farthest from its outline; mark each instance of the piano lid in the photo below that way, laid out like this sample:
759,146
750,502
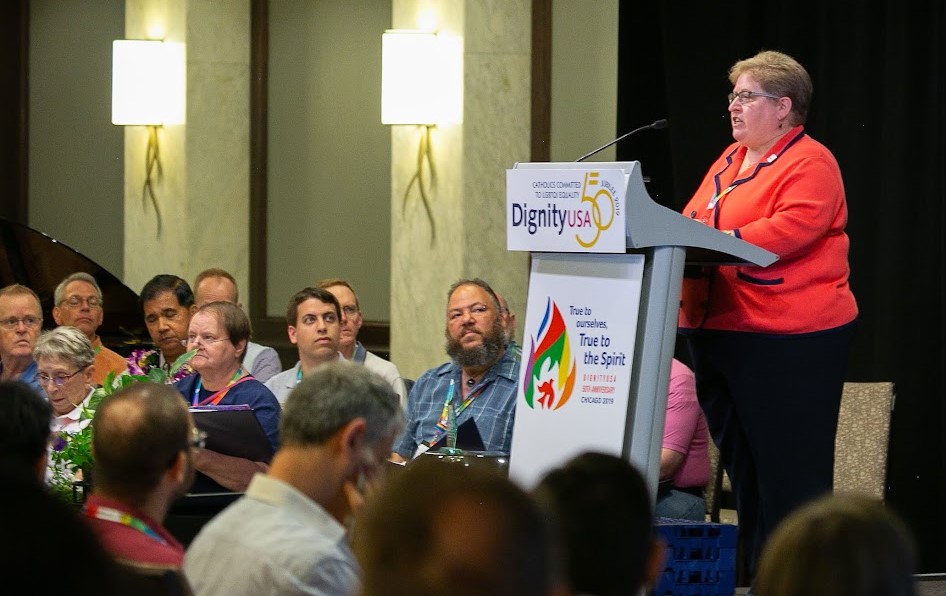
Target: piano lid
37,261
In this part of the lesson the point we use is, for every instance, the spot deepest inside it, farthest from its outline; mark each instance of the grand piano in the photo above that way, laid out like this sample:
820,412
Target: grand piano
35,260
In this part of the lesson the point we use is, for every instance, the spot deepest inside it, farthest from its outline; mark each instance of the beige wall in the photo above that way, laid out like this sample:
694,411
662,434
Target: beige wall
329,154
75,165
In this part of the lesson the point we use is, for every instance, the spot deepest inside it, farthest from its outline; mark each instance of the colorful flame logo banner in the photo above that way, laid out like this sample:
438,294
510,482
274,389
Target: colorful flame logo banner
553,351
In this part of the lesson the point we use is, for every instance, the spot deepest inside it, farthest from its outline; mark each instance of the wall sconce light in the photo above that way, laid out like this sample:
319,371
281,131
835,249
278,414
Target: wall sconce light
421,77
421,84
148,89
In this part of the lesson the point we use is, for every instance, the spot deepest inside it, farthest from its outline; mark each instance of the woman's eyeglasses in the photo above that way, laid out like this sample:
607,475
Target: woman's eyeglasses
57,380
745,97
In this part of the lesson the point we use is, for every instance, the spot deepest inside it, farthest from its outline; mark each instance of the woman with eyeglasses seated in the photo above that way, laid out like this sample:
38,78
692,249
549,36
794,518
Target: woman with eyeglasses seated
64,363
219,332
769,345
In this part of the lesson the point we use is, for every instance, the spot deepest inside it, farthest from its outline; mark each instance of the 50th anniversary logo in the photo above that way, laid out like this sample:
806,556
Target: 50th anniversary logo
565,210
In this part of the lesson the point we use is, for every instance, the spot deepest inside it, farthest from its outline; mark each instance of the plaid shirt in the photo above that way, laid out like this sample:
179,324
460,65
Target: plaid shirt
493,409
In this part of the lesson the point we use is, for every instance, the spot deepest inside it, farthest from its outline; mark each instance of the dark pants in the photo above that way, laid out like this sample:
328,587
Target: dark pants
771,402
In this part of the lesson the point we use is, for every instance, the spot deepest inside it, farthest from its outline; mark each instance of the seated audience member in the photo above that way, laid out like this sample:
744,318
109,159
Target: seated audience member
601,507
219,332
79,304
64,358
21,320
212,285
65,361
142,442
462,531
482,376
351,348
24,431
166,302
288,534
684,455
313,320
838,545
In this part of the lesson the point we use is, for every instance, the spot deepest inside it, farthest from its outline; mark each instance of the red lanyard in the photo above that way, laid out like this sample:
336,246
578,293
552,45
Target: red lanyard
219,395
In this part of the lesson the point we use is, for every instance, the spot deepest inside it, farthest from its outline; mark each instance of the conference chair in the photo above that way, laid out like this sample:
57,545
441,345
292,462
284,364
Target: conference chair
863,438
720,501
860,455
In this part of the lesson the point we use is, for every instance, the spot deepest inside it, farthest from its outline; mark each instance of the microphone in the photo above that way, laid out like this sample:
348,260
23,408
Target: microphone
655,125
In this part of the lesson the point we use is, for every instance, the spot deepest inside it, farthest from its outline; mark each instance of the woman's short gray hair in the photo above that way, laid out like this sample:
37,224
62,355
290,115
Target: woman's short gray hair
67,343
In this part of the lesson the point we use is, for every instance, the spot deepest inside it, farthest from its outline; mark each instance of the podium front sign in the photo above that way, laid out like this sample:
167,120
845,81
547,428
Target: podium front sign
566,210
577,359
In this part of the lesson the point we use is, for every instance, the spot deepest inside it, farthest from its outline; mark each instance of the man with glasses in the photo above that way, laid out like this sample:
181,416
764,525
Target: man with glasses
143,442
351,348
289,533
21,320
79,304
313,323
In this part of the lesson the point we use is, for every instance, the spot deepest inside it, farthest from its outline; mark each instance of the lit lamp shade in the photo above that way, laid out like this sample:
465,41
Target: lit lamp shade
148,82
421,78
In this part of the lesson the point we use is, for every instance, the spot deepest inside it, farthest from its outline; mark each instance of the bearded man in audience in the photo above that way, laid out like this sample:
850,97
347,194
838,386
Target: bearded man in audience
479,382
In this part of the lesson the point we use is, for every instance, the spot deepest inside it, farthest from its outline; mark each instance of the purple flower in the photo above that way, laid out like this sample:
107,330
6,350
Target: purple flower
142,360
59,442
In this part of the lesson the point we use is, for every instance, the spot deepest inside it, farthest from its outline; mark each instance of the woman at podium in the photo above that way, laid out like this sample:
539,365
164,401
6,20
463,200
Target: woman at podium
769,345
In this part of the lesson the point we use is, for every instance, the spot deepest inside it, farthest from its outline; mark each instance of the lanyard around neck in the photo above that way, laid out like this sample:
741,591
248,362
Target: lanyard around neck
715,198
448,403
238,377
120,517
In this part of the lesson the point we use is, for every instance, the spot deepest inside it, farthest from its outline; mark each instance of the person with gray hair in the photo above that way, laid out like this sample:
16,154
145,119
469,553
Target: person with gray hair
78,303
288,534
64,358
65,361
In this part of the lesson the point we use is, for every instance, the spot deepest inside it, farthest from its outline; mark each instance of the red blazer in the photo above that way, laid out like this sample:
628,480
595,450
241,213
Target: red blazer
791,203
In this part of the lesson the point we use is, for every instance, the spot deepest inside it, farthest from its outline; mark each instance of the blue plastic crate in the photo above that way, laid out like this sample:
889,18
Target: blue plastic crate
700,559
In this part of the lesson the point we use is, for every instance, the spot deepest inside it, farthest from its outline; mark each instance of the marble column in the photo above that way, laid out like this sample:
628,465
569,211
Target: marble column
203,193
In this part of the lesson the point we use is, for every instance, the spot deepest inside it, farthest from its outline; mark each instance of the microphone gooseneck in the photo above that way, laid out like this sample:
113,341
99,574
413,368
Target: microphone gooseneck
655,125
